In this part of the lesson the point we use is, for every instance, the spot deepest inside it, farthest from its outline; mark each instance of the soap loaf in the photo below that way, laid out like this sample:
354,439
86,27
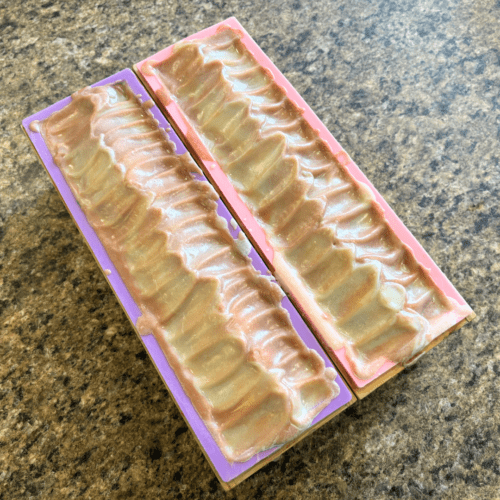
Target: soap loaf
219,323
359,285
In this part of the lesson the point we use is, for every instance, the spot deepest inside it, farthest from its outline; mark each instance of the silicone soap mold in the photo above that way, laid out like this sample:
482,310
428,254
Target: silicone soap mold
243,368
368,289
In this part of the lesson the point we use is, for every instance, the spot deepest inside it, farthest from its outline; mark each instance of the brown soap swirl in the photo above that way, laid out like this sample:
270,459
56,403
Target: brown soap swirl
374,298
220,323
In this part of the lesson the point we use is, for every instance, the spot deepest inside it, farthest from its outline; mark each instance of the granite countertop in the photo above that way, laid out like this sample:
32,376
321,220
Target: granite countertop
411,90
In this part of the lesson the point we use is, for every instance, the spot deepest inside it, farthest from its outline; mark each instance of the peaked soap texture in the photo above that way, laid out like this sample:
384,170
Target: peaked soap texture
219,322
364,290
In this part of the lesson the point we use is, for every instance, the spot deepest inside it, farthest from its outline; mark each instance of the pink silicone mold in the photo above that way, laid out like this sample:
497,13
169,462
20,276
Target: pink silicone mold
457,309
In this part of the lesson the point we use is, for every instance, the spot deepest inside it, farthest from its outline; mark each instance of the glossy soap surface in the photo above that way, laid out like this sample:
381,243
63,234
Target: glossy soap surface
358,283
219,323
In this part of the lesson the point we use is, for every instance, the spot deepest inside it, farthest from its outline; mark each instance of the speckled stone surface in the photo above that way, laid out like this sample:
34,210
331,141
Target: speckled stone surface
411,90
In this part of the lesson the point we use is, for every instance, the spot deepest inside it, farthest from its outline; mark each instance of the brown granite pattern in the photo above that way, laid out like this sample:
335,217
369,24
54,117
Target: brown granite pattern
411,90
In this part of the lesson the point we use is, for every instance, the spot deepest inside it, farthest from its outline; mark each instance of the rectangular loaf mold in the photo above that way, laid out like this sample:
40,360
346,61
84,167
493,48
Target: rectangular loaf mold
229,470
371,293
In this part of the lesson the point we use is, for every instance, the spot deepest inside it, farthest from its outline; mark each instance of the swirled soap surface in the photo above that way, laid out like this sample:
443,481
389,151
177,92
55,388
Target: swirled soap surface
218,321
363,287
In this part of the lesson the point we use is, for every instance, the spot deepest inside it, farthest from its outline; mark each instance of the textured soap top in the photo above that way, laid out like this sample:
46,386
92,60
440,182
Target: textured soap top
219,323
360,286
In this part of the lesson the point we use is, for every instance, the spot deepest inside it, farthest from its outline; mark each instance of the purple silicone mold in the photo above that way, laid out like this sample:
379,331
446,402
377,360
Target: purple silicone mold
227,471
